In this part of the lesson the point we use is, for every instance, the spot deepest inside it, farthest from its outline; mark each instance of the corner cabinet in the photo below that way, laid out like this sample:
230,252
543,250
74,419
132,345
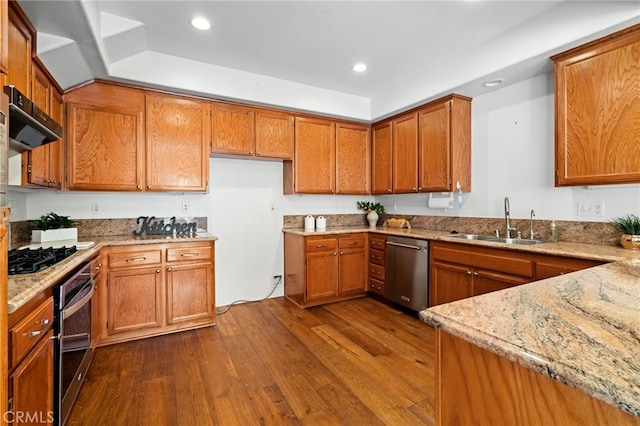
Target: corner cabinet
114,145
381,159
323,269
597,104
154,289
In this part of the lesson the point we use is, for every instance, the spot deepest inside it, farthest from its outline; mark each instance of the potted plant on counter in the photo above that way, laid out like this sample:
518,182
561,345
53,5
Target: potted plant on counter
53,227
629,224
374,211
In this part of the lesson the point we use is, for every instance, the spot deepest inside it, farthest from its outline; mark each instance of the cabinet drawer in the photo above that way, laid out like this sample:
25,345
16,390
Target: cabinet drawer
377,257
483,258
548,268
376,287
189,253
377,242
377,272
356,241
29,331
96,266
322,245
134,258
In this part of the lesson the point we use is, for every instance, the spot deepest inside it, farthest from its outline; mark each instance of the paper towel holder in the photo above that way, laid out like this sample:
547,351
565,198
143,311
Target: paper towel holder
444,203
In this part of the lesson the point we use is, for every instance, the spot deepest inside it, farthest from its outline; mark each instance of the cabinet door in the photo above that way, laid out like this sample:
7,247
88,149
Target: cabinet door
55,148
177,144
597,100
32,384
134,299
105,147
314,161
322,275
353,271
486,282
449,283
352,159
19,61
233,128
4,39
381,159
189,292
434,144
274,134
405,153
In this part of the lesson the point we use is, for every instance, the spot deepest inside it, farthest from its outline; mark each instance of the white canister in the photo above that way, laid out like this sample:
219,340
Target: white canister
321,223
309,223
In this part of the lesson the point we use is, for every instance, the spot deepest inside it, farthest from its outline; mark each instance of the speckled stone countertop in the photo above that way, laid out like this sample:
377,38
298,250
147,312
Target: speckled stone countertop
23,288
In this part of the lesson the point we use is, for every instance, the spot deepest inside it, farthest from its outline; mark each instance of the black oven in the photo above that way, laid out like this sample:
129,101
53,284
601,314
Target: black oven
72,349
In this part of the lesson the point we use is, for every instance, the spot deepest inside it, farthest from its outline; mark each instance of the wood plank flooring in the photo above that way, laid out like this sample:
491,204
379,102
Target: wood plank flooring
359,362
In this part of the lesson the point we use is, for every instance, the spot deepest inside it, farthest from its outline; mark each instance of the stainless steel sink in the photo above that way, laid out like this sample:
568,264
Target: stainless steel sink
494,239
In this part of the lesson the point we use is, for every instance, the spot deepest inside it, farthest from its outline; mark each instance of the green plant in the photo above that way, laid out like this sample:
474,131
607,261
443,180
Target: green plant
629,224
369,206
52,221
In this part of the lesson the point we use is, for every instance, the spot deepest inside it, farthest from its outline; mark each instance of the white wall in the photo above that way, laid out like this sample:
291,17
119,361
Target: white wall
512,155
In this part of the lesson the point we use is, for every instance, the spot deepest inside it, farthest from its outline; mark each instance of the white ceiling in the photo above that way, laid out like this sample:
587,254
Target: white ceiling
299,53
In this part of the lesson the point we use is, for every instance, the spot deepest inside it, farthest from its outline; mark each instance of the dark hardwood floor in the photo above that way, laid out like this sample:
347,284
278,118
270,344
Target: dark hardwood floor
358,362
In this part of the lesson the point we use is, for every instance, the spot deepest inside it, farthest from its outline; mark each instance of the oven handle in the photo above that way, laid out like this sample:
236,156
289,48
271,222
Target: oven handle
67,312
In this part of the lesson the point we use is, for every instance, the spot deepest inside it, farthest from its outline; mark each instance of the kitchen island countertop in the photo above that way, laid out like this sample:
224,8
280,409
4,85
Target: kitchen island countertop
22,288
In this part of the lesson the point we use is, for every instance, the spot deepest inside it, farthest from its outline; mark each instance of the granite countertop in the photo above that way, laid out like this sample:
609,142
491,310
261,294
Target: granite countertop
22,288
580,329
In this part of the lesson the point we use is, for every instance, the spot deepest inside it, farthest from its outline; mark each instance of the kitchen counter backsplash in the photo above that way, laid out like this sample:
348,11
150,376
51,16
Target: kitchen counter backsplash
577,232
21,231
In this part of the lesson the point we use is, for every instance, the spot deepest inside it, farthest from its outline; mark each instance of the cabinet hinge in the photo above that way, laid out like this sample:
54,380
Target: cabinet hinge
10,405
28,168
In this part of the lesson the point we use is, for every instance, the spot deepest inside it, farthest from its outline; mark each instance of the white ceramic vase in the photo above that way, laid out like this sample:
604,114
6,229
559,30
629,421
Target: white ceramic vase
372,217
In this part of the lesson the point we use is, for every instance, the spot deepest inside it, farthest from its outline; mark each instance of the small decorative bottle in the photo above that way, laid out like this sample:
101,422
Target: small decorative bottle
554,231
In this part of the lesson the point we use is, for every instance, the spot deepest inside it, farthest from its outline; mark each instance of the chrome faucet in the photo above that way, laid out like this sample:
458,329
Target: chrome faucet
532,235
507,218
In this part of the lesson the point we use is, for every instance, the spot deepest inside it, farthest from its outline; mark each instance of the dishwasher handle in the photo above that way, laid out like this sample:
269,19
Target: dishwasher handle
391,243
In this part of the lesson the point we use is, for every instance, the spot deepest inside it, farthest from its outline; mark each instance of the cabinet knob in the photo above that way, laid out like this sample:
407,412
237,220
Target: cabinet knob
468,272
475,273
341,253
250,152
414,189
257,152
138,186
168,269
157,271
419,188
335,254
389,190
148,186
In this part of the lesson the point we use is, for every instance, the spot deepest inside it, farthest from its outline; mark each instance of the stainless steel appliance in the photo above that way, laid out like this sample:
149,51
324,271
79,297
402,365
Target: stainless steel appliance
407,277
29,126
72,349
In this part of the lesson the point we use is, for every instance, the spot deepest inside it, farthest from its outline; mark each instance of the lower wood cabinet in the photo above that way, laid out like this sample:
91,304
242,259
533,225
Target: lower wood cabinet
463,270
324,268
153,289
377,264
31,365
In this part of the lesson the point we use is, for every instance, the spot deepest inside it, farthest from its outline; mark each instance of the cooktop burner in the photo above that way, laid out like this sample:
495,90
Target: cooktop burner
28,261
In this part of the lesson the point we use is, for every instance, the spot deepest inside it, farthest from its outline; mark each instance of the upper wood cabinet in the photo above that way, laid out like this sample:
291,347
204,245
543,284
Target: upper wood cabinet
254,132
177,143
113,145
445,145
381,159
597,105
352,159
4,35
21,34
105,138
330,158
405,153
315,156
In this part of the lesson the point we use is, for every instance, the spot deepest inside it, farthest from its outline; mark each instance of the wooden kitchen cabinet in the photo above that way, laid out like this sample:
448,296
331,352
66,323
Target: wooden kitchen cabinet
381,159
552,266
445,145
31,361
154,289
98,308
405,153
377,264
253,132
597,102
324,269
177,143
4,36
352,159
21,35
314,162
105,138
42,166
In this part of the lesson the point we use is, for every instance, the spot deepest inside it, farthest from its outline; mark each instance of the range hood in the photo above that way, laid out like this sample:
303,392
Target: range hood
29,126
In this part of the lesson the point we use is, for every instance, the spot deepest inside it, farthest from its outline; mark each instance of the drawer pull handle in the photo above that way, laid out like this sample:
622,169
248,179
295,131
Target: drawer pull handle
320,245
35,333
44,321
137,259
188,254
350,243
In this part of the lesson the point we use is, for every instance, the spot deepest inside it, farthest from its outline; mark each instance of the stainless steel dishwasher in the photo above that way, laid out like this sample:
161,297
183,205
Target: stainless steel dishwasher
408,272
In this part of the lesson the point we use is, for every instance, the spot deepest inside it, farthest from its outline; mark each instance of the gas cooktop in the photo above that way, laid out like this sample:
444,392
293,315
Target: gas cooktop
28,261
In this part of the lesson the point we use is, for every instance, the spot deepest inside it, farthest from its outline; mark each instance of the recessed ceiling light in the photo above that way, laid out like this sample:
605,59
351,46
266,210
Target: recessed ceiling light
493,82
201,23
359,67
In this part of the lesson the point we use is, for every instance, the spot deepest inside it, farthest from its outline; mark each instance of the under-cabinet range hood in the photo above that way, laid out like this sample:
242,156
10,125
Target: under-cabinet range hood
29,126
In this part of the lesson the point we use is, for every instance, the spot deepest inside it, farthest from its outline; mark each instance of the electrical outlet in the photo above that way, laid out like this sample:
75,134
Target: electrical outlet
591,208
186,207
277,280
95,207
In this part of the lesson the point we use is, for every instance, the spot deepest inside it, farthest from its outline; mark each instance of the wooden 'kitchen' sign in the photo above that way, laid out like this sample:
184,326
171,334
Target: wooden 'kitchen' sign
153,226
